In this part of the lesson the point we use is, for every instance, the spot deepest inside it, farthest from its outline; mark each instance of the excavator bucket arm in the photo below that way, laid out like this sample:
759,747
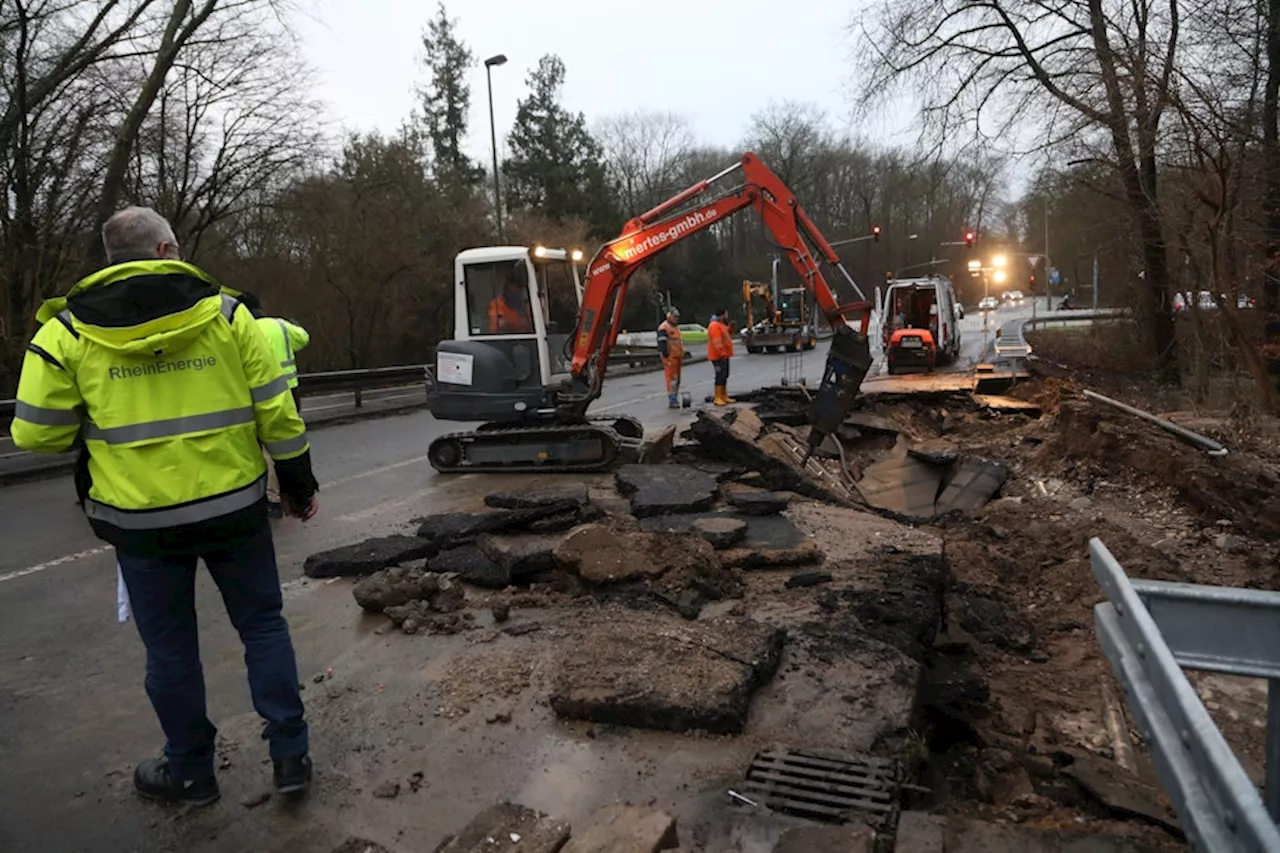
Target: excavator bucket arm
662,227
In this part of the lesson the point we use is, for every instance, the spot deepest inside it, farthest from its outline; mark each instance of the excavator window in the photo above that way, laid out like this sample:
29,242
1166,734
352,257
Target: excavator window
558,297
498,298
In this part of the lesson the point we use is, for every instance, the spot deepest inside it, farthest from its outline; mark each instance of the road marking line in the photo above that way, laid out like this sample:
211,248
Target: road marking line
93,552
69,558
414,461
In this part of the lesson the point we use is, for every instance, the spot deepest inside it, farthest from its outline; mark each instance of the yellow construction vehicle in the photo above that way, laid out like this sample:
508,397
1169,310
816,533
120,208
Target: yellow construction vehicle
785,323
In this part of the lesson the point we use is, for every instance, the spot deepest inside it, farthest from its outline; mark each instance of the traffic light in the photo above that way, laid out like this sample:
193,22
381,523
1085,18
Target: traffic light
969,238
1031,282
875,233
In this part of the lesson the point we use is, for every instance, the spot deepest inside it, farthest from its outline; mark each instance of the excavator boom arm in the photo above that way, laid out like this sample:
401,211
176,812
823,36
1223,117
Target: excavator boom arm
659,229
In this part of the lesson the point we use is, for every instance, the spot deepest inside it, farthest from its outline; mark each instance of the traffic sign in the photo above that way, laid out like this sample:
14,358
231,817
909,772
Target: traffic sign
1054,277
1033,260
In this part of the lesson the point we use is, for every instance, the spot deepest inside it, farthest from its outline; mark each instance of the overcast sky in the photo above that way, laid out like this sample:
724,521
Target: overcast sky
713,61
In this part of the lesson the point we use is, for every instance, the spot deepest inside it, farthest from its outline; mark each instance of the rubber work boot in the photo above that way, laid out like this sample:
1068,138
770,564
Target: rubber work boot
720,396
153,781
292,775
724,390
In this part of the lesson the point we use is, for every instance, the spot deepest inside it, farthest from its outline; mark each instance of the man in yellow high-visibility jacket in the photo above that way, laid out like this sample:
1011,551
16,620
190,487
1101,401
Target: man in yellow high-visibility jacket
168,387
286,339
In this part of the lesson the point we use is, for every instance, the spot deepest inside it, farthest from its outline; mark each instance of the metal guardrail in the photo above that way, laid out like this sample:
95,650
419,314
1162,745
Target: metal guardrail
1011,340
310,384
1149,631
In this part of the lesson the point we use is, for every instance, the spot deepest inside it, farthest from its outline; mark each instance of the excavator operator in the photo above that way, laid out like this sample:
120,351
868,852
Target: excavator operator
509,311
671,348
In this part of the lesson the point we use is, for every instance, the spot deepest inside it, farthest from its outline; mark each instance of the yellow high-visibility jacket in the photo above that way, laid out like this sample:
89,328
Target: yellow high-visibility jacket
286,339
171,387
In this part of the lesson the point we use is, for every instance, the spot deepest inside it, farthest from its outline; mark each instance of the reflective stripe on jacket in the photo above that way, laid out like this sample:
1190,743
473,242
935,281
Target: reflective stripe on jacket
286,339
171,387
719,341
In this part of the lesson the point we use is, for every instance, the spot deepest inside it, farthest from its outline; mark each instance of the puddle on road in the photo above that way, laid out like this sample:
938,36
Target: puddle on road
564,773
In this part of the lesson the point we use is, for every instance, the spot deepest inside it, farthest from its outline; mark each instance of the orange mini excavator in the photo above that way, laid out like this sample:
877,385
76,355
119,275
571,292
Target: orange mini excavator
536,422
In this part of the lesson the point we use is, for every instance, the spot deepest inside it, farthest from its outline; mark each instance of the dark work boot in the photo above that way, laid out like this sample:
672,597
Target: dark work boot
153,781
293,775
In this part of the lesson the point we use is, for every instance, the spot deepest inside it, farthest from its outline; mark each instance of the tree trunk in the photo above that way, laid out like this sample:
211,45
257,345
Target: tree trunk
1271,170
177,32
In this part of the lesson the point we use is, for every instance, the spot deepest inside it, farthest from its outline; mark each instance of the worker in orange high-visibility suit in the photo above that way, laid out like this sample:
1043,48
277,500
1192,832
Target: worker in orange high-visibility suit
719,351
671,348
509,312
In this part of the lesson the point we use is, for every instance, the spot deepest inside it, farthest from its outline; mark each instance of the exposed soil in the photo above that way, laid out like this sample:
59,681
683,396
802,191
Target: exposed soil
1015,686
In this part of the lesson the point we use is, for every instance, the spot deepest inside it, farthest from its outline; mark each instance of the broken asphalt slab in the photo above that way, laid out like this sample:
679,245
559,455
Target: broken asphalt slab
972,485
367,557
902,484
740,437
508,828
522,554
756,501
572,493
772,541
646,671
450,530
1006,405
471,566
664,489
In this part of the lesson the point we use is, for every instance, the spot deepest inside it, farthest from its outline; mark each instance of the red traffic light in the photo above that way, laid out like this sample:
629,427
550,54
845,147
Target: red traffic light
875,232
969,237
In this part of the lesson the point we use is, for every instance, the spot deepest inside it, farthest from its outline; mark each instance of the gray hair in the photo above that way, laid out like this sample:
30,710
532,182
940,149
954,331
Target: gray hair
134,233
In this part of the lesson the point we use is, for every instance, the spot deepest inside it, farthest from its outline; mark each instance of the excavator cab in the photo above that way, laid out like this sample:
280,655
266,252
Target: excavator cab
514,312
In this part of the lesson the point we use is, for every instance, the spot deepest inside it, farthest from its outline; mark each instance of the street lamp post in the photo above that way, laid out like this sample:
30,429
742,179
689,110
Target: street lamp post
493,138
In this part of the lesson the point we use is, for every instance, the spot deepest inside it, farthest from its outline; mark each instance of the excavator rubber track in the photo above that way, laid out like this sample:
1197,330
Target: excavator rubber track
595,443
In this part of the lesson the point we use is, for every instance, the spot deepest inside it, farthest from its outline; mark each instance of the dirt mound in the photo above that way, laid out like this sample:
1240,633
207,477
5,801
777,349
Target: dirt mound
1239,487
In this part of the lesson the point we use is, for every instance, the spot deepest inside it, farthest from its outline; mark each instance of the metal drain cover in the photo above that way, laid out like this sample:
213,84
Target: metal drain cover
824,786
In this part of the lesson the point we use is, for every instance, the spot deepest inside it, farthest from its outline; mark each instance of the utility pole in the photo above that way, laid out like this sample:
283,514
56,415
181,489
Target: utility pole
1095,279
1048,264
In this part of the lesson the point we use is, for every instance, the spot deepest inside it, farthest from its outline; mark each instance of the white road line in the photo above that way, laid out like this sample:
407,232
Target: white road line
93,552
69,558
414,461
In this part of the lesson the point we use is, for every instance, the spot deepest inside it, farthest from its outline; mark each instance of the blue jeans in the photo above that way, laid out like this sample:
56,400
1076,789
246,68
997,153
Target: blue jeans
162,594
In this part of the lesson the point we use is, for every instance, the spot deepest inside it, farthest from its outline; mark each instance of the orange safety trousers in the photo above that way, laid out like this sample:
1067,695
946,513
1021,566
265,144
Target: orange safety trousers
671,366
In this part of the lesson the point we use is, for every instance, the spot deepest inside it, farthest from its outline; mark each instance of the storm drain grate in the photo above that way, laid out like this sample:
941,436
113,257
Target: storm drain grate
821,785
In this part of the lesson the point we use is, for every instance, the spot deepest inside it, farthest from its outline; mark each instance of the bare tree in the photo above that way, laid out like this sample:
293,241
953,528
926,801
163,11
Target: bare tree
645,153
232,126
1097,70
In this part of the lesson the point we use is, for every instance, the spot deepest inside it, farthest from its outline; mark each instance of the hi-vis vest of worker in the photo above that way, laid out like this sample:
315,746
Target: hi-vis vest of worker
171,385
285,339
670,342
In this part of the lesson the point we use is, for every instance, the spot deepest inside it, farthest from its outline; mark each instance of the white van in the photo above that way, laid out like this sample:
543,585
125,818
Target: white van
922,303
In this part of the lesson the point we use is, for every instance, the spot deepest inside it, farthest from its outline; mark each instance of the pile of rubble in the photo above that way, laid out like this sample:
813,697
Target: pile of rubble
915,591
889,455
